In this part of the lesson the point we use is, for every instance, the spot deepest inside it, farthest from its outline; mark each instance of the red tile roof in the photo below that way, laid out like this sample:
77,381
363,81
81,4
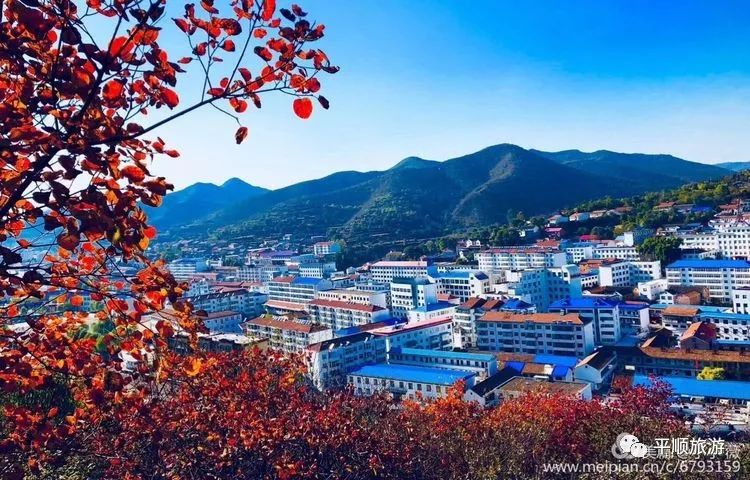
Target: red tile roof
345,305
531,317
285,325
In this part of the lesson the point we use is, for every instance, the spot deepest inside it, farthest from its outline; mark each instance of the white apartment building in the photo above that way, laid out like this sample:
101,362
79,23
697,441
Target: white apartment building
185,268
652,288
296,289
465,320
431,311
249,304
432,334
463,284
579,251
729,325
541,287
355,295
386,271
616,251
603,314
286,335
628,273
329,361
547,333
496,260
326,248
338,315
260,272
720,276
410,293
731,239
699,241
223,322
407,381
741,300
317,269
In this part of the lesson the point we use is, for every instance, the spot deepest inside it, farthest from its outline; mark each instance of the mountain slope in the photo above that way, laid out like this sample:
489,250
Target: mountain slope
418,198
734,166
642,171
199,200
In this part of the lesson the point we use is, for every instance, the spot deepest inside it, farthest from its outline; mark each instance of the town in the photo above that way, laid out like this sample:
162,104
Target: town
579,316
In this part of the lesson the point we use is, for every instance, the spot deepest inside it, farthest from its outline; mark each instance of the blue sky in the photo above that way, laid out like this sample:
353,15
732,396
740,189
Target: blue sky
438,79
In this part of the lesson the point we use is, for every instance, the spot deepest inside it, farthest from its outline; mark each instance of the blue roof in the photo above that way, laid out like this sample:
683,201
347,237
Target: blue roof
455,274
633,306
515,304
560,371
561,360
423,352
709,264
517,366
434,306
693,387
409,373
583,302
733,343
306,281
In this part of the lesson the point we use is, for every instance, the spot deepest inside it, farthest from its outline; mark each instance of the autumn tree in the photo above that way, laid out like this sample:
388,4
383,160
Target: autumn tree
79,85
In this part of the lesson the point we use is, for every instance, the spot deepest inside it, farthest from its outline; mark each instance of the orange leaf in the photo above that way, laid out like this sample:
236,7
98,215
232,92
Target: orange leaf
133,173
150,232
240,135
76,300
269,7
170,97
112,90
193,366
303,107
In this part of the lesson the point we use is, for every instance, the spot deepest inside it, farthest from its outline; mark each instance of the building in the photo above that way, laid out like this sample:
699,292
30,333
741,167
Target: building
628,273
620,252
329,361
249,304
578,251
287,335
651,289
326,248
408,293
597,369
549,333
407,381
519,386
482,364
487,392
465,320
430,334
719,276
698,336
354,295
185,268
386,271
741,300
431,312
227,321
337,315
260,272
316,269
634,318
462,283
603,313
541,287
497,260
297,291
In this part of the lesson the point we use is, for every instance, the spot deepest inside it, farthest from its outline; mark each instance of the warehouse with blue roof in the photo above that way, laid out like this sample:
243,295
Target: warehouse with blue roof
407,381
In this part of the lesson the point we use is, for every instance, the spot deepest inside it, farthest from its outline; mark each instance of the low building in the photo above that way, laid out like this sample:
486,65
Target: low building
338,315
431,311
482,364
597,369
286,335
487,392
329,361
519,386
407,381
430,334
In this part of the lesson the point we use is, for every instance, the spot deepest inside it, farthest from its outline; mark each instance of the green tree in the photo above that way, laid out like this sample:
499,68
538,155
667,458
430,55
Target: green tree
664,249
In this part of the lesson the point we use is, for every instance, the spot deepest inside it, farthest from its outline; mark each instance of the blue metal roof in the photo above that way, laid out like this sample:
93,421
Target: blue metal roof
709,264
560,371
692,387
517,366
455,274
633,306
721,314
434,306
409,373
515,304
423,352
583,302
306,281
562,360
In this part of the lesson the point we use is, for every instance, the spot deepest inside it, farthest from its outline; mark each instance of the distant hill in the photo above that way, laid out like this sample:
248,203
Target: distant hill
642,171
199,200
734,166
418,198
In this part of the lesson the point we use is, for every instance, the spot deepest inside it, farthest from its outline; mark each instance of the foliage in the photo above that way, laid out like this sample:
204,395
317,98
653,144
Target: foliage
662,248
78,82
711,373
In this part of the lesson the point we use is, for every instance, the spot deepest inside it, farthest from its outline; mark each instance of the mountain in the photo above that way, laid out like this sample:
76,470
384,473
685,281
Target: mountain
419,198
734,166
642,171
199,200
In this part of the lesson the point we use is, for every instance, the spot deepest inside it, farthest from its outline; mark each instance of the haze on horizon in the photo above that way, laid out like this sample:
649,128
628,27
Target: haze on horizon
438,79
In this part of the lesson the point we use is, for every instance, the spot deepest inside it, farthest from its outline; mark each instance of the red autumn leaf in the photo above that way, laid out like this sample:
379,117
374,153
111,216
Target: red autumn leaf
303,107
193,366
238,105
170,97
263,53
121,47
228,45
112,90
133,173
246,75
240,135
182,24
269,7
150,232
76,300
216,91
259,33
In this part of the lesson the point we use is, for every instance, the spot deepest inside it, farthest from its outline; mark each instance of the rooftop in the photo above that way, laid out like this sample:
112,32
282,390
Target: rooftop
345,305
709,264
405,327
397,263
275,322
583,302
692,387
487,385
525,385
410,373
509,317
420,352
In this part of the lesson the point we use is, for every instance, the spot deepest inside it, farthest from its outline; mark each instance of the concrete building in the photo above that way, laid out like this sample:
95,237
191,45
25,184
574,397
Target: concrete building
386,271
462,283
326,248
249,304
550,333
602,313
410,293
541,287
620,252
185,268
431,312
354,295
719,276
329,361
628,273
482,364
651,289
520,386
407,381
496,260
597,369
295,290
286,335
338,315
431,334
465,320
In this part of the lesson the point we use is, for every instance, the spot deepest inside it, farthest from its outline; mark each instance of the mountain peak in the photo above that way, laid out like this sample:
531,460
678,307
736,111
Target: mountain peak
414,162
235,181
